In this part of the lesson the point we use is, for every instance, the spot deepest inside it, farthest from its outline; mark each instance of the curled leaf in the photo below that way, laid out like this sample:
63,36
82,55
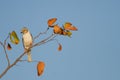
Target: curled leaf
9,47
14,38
40,68
59,47
51,22
57,29
69,26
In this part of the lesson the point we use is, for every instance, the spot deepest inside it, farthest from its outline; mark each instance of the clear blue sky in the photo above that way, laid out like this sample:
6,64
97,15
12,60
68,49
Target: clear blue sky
93,52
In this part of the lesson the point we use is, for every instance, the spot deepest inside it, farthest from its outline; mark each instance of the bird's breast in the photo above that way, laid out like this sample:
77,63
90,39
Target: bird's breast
27,40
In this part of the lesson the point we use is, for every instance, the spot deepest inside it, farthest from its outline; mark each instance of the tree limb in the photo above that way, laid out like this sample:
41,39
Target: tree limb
49,38
45,40
6,51
10,66
4,47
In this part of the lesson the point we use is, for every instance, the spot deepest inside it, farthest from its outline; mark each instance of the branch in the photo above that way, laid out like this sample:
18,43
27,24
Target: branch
4,47
50,38
45,40
6,51
27,61
40,34
10,66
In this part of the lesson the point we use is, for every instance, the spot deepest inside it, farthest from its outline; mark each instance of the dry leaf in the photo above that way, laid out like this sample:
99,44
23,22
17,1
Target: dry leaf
51,22
59,47
9,47
69,26
72,28
40,68
57,29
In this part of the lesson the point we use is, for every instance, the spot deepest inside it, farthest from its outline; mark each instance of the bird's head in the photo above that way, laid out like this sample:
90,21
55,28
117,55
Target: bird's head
24,30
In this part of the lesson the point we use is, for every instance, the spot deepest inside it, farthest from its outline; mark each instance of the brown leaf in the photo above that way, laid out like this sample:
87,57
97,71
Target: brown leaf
57,29
51,22
9,47
59,47
72,28
40,68
69,26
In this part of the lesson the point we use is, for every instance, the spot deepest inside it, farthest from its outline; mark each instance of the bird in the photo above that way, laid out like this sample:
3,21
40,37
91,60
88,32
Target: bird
27,41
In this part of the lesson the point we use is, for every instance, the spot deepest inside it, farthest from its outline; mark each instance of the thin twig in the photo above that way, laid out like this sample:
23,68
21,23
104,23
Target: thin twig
44,40
4,47
1,43
56,41
6,51
27,61
40,34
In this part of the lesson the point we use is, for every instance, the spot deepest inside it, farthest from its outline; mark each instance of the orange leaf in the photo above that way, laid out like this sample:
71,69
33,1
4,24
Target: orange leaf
59,47
51,22
9,47
69,26
72,28
40,68
57,29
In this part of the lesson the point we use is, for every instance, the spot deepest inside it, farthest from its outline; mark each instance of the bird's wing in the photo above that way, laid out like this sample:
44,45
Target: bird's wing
32,38
23,43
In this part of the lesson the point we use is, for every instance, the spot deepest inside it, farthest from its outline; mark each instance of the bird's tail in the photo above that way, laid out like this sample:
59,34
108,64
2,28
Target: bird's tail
29,56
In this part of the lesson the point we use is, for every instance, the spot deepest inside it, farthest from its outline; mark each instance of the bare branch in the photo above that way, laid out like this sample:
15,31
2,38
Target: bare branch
10,66
56,41
49,38
27,61
6,51
19,58
4,47
40,34
45,40
1,44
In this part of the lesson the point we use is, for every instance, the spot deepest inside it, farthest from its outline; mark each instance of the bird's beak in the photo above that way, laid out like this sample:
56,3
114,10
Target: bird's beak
21,32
